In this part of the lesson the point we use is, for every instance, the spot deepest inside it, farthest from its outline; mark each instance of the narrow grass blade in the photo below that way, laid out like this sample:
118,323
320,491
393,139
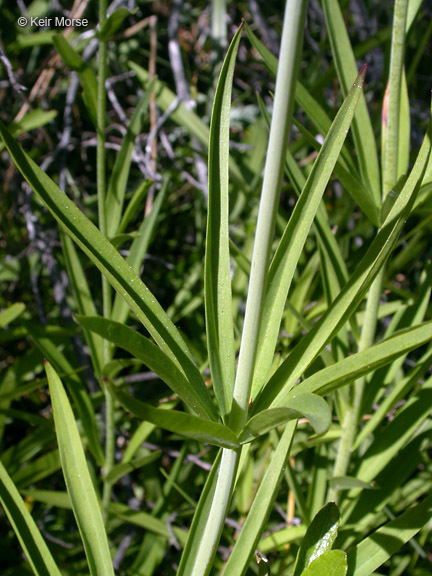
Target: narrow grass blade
309,406
354,367
352,294
291,245
11,313
372,552
247,542
134,205
109,262
120,172
396,434
180,423
138,251
121,470
197,398
86,75
79,484
319,538
346,67
217,281
331,563
76,388
32,543
82,297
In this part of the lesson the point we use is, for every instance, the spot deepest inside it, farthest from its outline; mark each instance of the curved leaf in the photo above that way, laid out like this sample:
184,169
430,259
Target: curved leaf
310,406
331,563
319,538
110,263
85,504
154,358
180,423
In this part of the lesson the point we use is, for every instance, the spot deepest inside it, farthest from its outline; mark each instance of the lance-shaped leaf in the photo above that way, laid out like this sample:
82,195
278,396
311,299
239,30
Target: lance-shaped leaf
290,248
85,504
154,358
180,423
111,264
353,367
36,551
319,538
350,297
217,281
309,406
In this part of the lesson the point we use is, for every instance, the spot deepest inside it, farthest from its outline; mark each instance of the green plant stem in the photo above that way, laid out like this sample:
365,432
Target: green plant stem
292,36
106,290
391,124
353,412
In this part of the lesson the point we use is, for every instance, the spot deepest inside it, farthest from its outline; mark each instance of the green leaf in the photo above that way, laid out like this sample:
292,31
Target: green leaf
138,250
120,172
11,313
353,367
113,23
134,205
86,75
291,246
85,504
154,358
111,264
396,434
121,470
319,538
372,552
331,563
32,543
309,406
217,282
76,388
82,297
352,294
346,68
180,423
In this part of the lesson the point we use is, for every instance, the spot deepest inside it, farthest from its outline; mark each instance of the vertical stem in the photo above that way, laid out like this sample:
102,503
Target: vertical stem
292,36
353,412
106,290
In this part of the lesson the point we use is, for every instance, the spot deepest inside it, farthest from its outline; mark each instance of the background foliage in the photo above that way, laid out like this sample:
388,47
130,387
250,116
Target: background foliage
159,476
